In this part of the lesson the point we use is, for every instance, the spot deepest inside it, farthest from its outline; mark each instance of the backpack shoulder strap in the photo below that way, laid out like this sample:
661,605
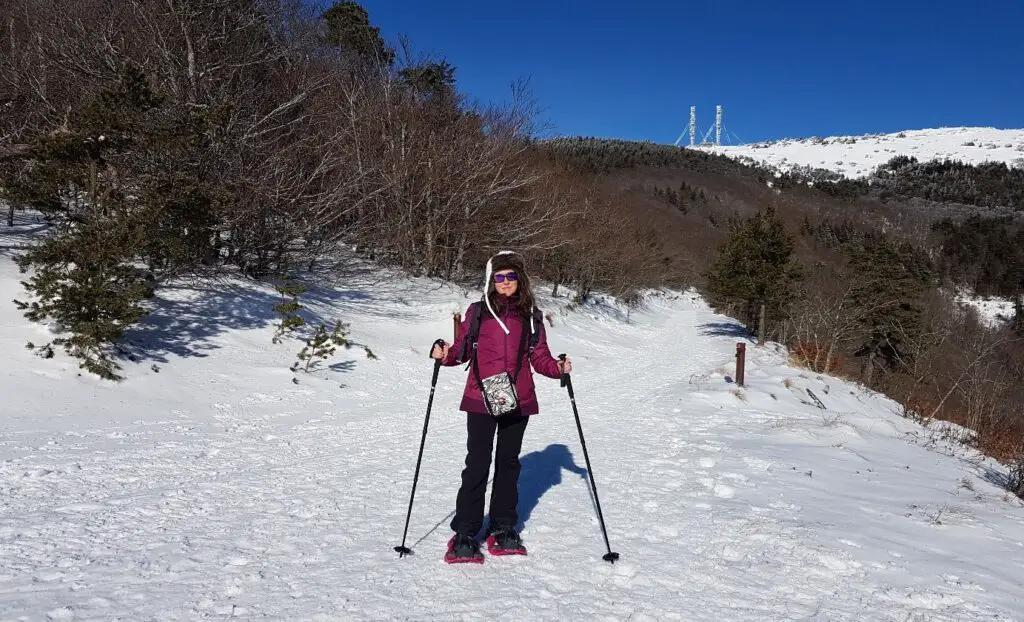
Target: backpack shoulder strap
475,311
530,339
527,345
536,325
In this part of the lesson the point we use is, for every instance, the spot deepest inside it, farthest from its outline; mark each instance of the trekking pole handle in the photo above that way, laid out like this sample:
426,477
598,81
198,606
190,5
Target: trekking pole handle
437,342
565,377
437,364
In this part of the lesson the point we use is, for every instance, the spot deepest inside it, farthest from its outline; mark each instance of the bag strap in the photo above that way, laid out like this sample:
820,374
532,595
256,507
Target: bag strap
479,381
470,343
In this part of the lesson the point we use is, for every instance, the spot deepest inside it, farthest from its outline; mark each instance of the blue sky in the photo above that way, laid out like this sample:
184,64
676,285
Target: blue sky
787,68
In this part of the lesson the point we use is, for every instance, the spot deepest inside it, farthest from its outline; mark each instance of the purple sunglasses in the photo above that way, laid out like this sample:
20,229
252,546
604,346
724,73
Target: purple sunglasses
500,278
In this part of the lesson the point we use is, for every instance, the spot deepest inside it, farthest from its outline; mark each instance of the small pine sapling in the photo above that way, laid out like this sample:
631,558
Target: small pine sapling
289,309
321,346
44,351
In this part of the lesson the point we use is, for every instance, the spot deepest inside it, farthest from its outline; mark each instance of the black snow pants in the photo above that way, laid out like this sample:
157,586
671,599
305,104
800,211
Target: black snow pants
469,506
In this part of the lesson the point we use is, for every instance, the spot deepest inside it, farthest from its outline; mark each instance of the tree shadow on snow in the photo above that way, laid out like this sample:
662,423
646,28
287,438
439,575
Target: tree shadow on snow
541,471
998,478
726,329
28,227
342,366
184,320
187,328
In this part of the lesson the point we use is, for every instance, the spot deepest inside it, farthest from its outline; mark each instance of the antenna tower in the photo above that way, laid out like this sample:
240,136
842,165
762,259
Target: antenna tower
718,125
693,125
719,129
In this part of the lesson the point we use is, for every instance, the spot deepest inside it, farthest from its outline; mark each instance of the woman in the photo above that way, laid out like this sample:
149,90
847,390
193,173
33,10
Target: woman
507,328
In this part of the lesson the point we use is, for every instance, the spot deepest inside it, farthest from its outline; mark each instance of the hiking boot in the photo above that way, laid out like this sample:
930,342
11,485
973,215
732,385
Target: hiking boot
505,542
463,549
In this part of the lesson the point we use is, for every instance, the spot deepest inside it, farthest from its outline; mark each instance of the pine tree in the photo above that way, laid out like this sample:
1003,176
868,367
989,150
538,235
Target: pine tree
322,346
806,228
85,276
756,271
116,185
890,280
430,80
348,26
85,283
289,309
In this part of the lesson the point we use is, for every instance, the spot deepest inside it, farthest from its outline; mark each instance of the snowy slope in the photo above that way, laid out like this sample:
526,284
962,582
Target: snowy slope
217,488
858,156
993,312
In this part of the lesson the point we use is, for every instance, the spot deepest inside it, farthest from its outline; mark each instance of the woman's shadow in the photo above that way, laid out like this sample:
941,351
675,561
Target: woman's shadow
539,472
542,470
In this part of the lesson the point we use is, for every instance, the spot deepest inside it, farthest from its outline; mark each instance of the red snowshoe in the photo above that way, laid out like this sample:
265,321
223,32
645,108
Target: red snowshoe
463,549
505,542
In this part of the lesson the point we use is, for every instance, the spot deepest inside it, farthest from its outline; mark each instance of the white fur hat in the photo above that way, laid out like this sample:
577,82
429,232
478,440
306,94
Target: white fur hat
487,285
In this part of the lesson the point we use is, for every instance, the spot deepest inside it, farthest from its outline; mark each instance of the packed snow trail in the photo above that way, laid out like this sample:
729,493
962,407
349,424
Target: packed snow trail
218,488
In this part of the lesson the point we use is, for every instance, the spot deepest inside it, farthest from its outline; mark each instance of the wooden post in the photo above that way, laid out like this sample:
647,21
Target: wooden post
456,319
741,356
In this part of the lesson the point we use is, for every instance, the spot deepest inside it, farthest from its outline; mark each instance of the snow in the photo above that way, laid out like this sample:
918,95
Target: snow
993,311
859,156
216,487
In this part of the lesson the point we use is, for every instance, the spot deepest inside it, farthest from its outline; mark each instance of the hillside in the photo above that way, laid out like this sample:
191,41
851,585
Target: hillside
859,156
212,160
209,485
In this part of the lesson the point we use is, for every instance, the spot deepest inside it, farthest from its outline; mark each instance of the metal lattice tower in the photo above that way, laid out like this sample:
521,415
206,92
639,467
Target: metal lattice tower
718,128
693,125
718,125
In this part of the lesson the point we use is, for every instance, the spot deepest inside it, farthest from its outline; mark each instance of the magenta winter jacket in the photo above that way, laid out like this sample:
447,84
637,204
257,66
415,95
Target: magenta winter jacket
498,352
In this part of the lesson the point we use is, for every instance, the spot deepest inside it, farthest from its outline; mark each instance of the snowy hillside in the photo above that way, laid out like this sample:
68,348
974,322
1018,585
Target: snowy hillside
209,485
858,156
994,312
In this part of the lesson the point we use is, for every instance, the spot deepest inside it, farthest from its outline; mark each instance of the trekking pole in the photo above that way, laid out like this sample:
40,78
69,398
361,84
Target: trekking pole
401,549
567,383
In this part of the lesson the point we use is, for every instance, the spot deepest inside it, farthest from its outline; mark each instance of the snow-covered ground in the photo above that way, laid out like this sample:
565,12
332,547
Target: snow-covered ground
859,156
993,312
208,485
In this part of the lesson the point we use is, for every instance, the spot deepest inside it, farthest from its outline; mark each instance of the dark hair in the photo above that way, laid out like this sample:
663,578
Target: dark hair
525,293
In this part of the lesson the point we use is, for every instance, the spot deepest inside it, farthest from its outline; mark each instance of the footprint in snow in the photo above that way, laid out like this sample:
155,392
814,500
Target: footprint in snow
263,398
724,492
232,590
63,613
718,489
756,464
